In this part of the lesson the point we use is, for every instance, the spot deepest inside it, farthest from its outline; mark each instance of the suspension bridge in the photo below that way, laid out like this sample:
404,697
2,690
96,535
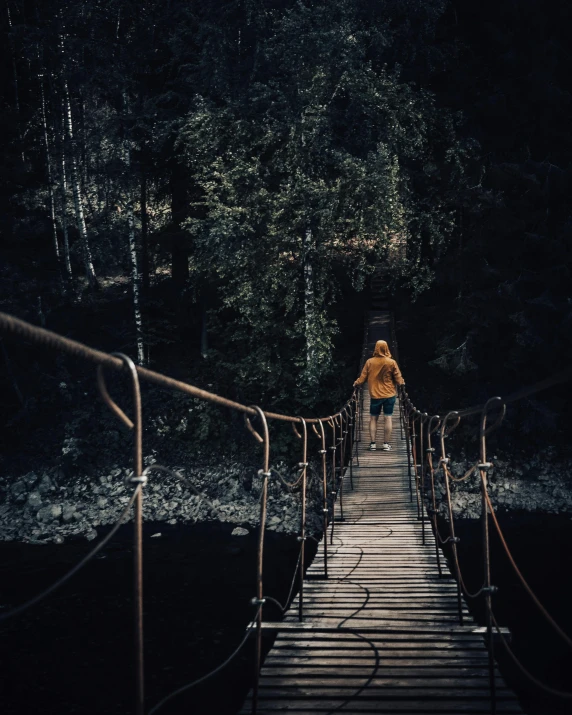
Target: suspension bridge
377,626
379,623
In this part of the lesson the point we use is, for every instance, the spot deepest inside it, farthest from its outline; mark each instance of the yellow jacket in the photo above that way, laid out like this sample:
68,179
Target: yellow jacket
381,372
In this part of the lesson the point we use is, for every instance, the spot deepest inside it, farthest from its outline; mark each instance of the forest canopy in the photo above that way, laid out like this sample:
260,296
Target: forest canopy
221,178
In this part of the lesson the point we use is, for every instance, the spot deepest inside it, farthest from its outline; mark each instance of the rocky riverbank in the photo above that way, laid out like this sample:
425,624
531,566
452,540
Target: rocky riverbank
49,507
540,484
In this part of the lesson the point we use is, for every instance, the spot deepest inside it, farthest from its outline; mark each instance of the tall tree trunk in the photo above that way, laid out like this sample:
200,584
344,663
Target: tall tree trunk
49,175
179,251
64,197
133,256
309,307
144,231
15,79
80,218
135,283
204,334
13,58
84,152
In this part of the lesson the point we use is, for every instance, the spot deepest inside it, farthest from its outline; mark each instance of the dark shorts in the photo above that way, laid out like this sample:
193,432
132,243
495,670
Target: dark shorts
388,404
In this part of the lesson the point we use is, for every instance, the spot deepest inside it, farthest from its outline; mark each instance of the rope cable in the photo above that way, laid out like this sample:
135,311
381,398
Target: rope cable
14,326
216,670
524,671
60,582
524,582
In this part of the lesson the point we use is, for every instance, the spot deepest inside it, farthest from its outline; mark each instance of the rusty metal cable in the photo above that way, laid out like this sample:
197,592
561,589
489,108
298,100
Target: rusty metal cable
14,326
265,474
292,585
524,671
468,473
60,582
432,427
290,485
138,478
286,606
20,328
216,670
524,582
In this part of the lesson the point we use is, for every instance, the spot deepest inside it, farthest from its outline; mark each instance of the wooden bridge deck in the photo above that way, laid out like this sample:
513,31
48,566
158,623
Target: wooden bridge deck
381,634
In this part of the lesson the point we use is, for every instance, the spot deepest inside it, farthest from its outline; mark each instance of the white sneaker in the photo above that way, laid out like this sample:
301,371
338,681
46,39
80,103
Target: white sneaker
372,447
386,447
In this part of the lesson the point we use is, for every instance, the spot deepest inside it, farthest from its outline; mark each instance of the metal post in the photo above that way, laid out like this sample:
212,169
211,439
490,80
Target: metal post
333,484
422,476
138,478
415,414
430,450
488,589
446,430
265,474
406,416
325,511
304,465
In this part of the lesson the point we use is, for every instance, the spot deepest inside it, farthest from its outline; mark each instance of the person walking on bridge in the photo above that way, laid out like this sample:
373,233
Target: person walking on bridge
383,375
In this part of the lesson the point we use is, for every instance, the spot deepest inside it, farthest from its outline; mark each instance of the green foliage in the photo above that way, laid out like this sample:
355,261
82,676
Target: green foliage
280,150
315,138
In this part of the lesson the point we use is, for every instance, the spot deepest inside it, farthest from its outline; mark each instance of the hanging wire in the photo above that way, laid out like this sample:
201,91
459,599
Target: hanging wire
86,559
213,672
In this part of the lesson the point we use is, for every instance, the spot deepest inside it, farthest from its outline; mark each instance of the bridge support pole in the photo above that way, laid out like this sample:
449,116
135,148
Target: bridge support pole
405,417
137,426
304,466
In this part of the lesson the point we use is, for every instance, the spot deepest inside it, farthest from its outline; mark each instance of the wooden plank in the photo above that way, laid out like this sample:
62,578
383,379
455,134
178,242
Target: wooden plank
477,706
383,671
425,629
380,633
448,690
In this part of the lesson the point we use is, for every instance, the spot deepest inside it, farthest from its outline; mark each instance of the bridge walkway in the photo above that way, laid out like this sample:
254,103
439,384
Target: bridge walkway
381,634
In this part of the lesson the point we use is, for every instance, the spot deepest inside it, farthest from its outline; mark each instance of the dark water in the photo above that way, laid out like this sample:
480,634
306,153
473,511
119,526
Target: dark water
541,546
74,652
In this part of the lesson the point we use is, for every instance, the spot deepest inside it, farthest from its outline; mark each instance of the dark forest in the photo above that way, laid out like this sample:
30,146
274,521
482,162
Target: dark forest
222,189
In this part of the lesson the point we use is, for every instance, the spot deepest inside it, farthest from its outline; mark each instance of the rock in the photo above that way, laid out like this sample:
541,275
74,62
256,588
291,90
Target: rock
91,535
68,513
49,513
101,502
239,531
45,485
34,500
58,539
156,536
274,520
30,479
18,491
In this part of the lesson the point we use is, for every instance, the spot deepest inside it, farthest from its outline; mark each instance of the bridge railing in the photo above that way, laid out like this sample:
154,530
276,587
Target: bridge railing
336,440
337,437
420,429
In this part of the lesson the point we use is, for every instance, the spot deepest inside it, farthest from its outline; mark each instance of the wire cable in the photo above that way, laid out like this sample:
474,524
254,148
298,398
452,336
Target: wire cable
524,582
60,582
524,671
216,670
